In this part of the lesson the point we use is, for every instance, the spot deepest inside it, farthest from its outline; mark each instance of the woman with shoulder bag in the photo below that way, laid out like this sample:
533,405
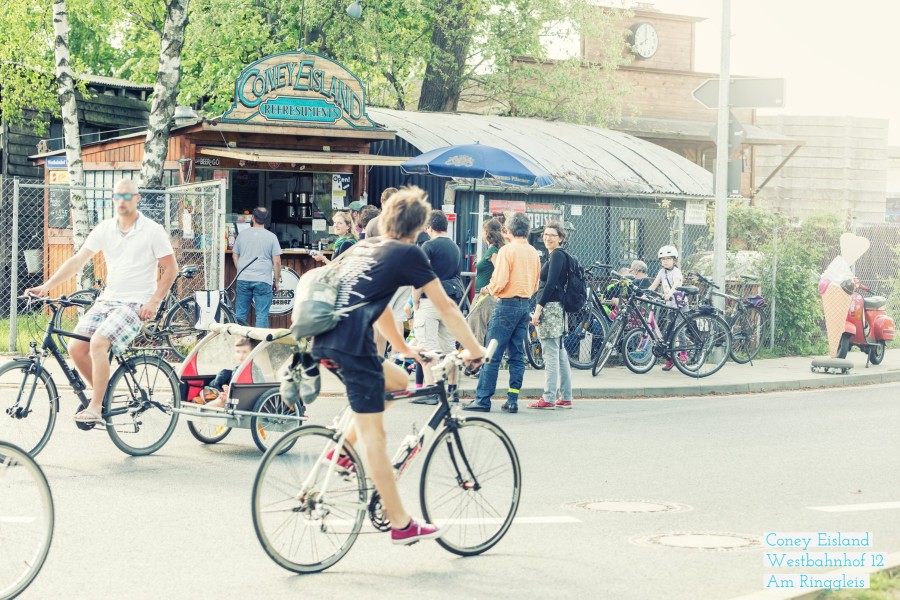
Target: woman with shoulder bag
480,315
550,320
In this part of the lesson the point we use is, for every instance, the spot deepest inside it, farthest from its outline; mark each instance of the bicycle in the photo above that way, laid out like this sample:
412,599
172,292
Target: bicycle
745,317
139,400
587,329
697,341
534,350
308,510
26,519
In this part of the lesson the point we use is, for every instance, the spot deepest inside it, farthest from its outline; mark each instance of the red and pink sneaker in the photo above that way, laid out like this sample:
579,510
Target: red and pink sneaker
343,462
415,531
542,404
563,404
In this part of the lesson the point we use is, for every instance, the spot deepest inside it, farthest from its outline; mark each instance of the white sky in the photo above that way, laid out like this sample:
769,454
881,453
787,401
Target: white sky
837,57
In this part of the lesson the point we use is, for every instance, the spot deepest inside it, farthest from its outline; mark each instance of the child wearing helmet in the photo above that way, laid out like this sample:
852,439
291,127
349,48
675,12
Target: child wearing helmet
670,278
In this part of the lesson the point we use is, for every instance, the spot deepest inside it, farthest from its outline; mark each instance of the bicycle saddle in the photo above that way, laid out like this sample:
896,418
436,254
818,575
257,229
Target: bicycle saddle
690,290
189,271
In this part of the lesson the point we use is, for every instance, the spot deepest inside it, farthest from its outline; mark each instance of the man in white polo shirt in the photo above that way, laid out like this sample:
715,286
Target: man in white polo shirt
134,247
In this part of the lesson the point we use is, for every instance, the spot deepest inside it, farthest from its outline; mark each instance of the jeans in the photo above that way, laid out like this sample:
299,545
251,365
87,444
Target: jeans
261,294
557,374
509,325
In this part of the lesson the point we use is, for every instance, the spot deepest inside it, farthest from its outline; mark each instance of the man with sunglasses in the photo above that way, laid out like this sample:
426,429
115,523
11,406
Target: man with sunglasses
134,249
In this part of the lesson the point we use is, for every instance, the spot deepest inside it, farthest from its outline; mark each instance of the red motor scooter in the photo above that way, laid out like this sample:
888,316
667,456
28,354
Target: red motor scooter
868,326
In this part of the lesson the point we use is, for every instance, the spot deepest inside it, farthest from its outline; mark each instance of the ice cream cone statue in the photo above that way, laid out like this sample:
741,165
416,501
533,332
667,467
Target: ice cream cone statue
835,301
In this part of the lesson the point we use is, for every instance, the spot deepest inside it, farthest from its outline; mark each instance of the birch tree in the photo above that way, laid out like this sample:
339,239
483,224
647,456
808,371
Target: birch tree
165,92
65,84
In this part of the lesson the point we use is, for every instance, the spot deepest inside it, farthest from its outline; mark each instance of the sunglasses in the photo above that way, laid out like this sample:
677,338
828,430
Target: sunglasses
124,196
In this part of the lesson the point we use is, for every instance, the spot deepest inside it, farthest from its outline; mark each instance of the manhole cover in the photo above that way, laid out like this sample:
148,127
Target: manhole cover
629,506
720,542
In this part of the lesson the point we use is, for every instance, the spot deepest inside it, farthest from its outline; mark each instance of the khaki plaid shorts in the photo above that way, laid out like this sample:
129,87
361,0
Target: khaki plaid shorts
117,321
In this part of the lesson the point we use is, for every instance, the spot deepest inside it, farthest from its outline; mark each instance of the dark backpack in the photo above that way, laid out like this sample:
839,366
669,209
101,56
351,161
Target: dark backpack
574,295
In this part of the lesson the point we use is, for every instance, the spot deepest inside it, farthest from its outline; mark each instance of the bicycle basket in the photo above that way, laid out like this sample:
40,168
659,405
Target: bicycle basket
757,301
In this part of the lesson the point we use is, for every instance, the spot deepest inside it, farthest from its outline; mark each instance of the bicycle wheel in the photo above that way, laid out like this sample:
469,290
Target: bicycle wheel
302,528
67,318
534,351
612,340
700,345
266,430
637,350
208,433
585,334
138,405
26,520
471,485
747,334
178,326
28,405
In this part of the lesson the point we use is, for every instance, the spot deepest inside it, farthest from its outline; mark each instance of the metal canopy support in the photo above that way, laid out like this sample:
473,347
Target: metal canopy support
780,166
720,237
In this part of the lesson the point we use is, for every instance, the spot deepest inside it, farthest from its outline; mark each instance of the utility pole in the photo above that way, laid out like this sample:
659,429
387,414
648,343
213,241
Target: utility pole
720,238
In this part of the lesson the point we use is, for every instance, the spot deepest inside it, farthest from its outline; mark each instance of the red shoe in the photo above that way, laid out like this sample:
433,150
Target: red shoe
542,404
414,532
563,404
343,462
668,366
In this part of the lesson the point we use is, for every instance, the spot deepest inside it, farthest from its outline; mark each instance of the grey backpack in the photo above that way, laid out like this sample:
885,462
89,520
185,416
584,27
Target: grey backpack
315,301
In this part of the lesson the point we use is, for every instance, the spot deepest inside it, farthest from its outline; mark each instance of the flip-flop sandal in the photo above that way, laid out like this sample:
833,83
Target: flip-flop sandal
89,416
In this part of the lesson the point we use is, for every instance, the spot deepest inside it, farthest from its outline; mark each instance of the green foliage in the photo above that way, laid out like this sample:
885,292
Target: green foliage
798,308
749,227
511,68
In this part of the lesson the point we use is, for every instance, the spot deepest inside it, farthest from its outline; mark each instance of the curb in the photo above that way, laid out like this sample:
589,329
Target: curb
720,389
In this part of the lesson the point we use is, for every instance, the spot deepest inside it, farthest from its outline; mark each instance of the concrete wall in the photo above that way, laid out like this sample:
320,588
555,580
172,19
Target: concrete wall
842,167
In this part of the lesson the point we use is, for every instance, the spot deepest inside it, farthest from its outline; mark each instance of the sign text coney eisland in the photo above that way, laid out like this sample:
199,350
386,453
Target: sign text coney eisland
299,88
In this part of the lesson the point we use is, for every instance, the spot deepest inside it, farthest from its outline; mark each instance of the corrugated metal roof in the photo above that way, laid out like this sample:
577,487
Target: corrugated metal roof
116,82
581,158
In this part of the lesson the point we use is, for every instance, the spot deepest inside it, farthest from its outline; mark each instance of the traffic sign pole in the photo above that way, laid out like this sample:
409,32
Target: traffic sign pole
721,232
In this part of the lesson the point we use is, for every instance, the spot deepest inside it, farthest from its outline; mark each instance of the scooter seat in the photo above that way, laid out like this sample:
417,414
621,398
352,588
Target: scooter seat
875,302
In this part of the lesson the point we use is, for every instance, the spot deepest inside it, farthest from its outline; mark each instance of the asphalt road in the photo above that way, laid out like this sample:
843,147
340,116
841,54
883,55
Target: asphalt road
177,524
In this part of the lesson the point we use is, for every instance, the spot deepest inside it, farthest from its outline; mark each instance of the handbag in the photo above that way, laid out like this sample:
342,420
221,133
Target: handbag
454,288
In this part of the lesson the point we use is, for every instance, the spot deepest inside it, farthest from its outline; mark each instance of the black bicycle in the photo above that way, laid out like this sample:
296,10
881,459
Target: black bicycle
534,350
138,403
697,341
586,329
311,495
745,314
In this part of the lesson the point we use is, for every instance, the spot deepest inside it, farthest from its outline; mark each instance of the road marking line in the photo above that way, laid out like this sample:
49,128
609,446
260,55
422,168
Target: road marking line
857,507
545,520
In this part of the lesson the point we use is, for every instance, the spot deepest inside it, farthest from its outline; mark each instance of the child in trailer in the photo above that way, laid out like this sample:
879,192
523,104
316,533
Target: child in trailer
216,393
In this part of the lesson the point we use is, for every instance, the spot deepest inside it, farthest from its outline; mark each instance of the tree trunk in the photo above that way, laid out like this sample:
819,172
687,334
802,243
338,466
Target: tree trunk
450,40
165,94
66,89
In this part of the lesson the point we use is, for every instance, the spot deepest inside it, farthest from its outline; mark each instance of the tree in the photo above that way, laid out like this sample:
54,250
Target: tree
451,39
165,93
67,102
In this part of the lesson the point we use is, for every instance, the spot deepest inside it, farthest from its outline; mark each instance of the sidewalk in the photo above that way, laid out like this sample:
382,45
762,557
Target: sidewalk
775,374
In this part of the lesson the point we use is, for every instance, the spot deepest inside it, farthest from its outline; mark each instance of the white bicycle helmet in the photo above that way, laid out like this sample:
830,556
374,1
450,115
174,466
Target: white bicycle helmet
668,251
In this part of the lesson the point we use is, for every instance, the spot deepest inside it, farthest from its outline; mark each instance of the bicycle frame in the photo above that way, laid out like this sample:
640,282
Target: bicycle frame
405,453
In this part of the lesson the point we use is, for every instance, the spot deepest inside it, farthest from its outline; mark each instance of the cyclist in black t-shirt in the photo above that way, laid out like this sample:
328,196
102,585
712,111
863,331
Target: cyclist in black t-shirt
370,275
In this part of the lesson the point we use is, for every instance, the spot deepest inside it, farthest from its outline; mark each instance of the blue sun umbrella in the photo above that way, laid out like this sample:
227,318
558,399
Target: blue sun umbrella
477,161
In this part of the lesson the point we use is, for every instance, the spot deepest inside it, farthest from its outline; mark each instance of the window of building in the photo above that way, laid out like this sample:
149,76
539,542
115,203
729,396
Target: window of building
631,233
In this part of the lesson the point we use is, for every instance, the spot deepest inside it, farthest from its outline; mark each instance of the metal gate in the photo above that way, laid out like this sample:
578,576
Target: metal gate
36,233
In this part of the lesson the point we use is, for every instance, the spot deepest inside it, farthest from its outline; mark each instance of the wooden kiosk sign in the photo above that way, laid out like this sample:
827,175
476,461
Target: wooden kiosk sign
299,88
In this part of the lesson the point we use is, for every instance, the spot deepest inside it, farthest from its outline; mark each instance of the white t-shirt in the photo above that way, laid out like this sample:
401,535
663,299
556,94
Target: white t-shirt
131,259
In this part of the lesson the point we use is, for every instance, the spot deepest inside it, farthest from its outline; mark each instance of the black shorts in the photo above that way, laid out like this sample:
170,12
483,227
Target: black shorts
363,376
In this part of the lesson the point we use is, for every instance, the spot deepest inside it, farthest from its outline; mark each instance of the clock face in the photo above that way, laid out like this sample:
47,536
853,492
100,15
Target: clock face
646,41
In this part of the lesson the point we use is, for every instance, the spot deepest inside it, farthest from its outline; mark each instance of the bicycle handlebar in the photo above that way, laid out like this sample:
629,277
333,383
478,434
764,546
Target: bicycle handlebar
704,280
453,358
62,300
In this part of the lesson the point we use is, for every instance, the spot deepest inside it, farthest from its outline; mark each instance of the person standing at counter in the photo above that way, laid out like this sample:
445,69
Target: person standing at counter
343,228
257,258
355,207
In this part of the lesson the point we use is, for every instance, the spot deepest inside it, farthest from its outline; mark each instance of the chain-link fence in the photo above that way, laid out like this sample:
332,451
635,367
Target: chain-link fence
36,235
